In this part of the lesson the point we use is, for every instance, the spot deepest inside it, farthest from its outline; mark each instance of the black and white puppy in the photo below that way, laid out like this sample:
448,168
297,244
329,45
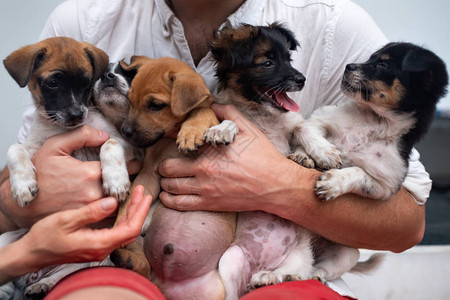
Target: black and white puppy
255,74
366,142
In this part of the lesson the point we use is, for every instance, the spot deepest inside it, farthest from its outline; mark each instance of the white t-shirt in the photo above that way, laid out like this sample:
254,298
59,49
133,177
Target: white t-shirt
332,33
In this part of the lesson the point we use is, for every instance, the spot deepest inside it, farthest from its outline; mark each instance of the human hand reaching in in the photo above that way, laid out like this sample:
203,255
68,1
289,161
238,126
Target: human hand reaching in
65,236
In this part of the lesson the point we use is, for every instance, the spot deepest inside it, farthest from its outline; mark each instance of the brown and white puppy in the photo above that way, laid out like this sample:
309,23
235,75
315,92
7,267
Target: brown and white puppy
60,73
167,99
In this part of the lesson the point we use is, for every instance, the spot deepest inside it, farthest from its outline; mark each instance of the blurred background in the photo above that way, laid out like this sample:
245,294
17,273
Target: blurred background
419,273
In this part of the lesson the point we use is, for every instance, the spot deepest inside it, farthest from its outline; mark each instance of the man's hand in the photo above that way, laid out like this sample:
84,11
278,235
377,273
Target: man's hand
231,178
64,237
64,182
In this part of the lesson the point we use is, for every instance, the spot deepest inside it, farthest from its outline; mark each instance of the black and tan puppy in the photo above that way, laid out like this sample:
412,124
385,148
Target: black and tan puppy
394,95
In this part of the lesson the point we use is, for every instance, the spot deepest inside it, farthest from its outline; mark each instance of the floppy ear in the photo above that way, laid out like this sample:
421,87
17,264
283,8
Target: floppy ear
98,58
21,63
188,91
136,62
417,60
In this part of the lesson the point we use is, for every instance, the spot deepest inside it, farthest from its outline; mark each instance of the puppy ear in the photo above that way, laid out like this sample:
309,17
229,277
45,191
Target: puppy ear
21,63
418,60
288,34
98,58
136,62
428,71
188,91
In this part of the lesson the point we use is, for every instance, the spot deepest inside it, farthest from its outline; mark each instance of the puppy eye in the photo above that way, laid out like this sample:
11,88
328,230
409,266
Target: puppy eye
156,106
267,63
51,83
382,65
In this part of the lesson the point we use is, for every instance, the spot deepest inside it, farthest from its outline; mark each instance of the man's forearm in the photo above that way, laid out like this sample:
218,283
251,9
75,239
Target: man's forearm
394,225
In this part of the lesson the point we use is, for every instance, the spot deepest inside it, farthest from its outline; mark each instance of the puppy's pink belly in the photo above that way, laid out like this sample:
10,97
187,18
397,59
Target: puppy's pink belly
185,245
265,239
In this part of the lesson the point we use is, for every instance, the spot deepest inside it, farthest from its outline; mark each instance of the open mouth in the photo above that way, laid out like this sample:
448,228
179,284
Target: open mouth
278,99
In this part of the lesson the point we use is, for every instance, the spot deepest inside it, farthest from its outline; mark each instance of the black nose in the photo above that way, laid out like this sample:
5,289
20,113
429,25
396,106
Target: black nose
351,67
74,115
300,79
127,131
109,78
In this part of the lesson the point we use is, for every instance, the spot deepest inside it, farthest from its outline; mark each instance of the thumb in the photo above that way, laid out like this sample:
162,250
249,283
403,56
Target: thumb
92,212
230,112
84,136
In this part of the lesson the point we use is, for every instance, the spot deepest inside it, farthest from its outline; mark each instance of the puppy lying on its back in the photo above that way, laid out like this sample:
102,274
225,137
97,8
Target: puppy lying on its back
255,73
366,142
169,99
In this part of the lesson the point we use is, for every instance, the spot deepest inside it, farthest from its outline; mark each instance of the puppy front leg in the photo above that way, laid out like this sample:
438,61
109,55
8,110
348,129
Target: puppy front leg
336,182
192,131
312,137
116,182
22,173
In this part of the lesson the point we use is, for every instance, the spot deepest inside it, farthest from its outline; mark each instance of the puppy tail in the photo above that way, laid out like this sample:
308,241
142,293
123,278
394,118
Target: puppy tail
370,265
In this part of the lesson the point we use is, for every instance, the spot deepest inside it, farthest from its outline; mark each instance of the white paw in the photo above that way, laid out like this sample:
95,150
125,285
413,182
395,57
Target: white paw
329,185
23,184
116,181
264,278
221,134
327,157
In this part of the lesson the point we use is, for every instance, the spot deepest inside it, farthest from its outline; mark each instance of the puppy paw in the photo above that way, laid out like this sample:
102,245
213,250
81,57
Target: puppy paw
116,182
221,134
23,186
190,139
327,158
127,259
37,290
302,159
328,185
263,278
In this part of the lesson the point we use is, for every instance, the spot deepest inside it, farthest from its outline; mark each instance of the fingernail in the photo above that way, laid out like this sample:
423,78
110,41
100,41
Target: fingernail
101,132
108,204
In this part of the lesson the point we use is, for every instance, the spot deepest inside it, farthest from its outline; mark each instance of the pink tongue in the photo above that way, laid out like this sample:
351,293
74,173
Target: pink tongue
286,102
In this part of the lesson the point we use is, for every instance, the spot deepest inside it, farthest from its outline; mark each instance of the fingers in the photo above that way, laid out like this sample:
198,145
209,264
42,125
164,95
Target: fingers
183,185
182,202
130,227
81,137
90,213
177,167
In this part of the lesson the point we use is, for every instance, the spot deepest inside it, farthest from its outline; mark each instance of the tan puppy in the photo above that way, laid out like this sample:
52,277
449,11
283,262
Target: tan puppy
167,99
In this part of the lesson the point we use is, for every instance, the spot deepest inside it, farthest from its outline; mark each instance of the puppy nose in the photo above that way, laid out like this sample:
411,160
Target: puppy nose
108,78
127,131
351,67
74,115
300,79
